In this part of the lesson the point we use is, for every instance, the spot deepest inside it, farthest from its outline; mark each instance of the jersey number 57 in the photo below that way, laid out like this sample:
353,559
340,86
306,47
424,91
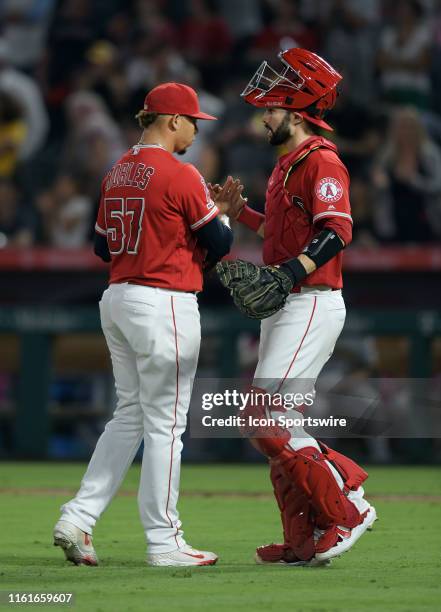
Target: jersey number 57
124,224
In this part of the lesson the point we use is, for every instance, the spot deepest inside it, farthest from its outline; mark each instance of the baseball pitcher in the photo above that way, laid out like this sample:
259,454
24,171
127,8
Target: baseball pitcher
157,226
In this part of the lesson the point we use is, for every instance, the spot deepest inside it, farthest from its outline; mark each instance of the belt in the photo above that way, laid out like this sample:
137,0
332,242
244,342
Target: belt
154,287
301,289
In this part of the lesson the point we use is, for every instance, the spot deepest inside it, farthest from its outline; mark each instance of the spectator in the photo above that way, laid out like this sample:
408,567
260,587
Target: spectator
65,214
12,134
71,33
407,177
349,44
242,143
94,140
205,41
404,56
285,30
358,132
104,74
15,226
151,20
118,30
151,65
203,153
435,63
243,18
24,90
25,25
363,233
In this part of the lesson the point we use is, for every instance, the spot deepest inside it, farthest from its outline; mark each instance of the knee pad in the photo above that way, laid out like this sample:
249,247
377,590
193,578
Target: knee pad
269,439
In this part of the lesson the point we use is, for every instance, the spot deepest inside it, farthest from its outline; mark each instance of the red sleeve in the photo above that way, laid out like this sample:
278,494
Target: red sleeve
330,205
251,218
191,194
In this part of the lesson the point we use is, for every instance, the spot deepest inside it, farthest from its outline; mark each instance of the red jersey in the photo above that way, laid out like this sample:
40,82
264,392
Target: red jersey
308,190
151,205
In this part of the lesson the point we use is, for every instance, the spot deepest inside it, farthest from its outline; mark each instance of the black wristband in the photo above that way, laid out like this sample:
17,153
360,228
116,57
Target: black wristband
295,270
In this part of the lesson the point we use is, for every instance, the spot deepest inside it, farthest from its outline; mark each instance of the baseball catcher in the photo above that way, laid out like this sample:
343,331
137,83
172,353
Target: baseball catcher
297,294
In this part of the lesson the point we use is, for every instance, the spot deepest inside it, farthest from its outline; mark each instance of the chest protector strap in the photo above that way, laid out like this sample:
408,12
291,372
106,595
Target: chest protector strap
299,161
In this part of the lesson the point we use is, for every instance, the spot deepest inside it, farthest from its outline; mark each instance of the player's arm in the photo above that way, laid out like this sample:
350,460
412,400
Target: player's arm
235,206
331,217
101,248
252,219
216,238
323,247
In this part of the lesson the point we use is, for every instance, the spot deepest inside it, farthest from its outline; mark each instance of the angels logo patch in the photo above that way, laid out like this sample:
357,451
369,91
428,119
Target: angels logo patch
329,190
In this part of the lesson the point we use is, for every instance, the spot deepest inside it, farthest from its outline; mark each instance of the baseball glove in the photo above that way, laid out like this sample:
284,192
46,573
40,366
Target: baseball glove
257,291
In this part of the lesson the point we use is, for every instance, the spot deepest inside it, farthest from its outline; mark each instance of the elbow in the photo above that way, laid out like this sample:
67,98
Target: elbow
343,229
348,236
221,250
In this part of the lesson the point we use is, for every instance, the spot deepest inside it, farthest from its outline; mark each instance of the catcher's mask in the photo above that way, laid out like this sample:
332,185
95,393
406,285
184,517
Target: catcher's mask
306,84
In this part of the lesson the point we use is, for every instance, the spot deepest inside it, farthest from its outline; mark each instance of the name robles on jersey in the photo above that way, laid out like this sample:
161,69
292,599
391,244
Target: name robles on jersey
129,174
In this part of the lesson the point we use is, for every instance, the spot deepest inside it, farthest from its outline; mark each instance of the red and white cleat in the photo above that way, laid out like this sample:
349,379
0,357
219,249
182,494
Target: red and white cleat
282,553
338,540
182,557
77,544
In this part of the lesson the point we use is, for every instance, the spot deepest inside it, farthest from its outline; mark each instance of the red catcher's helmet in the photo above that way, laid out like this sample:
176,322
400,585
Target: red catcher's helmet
306,84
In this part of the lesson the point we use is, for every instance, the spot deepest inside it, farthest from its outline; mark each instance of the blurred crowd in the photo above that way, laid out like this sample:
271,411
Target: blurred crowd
73,74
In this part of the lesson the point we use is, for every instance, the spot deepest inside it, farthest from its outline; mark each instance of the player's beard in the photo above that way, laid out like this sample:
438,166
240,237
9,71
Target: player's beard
282,133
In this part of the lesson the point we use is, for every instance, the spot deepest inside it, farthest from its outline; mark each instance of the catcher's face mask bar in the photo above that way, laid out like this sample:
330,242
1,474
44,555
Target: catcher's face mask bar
266,78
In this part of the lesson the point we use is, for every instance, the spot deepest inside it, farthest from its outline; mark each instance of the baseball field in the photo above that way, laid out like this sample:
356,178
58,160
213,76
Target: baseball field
228,509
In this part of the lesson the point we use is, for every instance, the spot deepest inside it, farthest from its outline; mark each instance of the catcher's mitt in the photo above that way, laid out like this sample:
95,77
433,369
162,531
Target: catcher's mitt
257,291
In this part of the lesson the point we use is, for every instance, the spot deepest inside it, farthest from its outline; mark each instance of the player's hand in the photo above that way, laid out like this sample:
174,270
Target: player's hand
228,198
257,291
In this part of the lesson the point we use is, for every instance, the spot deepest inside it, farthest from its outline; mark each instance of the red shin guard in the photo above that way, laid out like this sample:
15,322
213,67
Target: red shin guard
308,471
295,511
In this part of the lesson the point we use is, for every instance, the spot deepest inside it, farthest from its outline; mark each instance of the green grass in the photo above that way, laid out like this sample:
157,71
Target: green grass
396,567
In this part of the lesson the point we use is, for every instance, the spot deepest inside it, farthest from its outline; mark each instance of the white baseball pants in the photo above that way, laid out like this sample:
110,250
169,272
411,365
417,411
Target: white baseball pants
154,337
295,344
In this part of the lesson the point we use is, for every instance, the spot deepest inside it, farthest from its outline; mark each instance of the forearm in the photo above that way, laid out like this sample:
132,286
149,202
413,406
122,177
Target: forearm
322,248
252,219
216,238
307,263
101,248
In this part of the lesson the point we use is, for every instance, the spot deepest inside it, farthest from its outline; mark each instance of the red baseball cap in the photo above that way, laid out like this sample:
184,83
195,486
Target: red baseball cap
174,99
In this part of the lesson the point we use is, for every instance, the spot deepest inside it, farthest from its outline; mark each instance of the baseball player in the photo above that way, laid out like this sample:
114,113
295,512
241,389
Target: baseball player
157,225
306,225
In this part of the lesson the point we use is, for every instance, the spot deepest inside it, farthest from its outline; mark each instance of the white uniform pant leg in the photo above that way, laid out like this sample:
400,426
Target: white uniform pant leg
118,444
295,344
166,358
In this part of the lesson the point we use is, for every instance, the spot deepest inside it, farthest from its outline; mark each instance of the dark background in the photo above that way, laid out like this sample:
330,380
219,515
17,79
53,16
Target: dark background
74,73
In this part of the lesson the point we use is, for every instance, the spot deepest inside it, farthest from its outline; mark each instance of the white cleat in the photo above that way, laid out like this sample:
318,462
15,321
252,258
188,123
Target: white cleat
348,537
182,557
77,544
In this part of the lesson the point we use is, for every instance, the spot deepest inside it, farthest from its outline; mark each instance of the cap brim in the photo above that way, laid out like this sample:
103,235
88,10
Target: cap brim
203,116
